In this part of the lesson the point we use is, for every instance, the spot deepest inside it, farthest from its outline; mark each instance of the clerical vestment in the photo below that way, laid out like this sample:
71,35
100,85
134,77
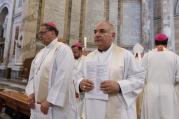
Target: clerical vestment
80,99
50,80
160,99
123,68
79,62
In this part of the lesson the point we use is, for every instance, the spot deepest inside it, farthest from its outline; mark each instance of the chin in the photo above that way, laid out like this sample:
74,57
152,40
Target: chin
98,43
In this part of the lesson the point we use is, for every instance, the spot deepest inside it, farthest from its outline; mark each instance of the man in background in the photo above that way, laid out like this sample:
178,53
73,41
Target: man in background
138,52
159,98
77,49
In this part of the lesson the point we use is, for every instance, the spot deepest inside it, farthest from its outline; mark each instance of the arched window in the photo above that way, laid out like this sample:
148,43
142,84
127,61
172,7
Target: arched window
3,25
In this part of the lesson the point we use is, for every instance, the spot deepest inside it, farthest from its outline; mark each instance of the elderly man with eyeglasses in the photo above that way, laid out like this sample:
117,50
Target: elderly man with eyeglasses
50,87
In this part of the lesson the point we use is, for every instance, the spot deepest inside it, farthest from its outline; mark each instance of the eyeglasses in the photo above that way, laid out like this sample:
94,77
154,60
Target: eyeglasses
43,32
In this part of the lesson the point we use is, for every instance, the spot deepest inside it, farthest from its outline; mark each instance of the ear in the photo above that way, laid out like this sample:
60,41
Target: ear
113,34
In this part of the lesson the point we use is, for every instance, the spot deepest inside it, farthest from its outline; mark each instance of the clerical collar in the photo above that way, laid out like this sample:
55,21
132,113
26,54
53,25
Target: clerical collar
104,50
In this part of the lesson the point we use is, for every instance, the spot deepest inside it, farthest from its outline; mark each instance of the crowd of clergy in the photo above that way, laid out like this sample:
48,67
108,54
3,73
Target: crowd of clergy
108,83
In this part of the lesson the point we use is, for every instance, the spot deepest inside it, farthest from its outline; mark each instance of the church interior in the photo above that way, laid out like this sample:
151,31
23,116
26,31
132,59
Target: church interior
135,21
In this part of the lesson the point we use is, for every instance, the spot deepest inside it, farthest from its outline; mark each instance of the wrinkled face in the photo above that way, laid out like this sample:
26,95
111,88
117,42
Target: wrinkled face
45,36
104,35
76,52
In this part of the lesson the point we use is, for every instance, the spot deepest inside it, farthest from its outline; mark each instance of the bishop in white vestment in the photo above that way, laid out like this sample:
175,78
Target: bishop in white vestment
138,52
50,80
160,100
77,49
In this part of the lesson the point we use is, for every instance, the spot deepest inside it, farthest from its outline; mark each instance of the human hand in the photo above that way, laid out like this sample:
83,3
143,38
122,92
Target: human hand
86,85
110,87
45,107
31,101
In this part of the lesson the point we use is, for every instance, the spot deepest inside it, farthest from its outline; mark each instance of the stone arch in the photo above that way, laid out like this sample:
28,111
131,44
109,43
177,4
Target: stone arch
3,25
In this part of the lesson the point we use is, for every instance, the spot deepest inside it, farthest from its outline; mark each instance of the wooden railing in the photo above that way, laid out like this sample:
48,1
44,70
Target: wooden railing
14,100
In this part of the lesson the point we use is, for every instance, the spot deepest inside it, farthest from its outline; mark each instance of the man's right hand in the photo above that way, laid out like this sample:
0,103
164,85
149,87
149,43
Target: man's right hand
86,85
31,101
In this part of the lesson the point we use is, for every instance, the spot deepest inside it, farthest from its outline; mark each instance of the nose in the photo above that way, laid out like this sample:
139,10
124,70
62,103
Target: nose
97,34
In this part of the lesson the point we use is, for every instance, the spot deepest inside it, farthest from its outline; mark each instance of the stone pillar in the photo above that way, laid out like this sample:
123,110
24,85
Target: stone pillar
82,20
75,20
106,9
68,7
147,24
94,13
130,27
118,21
113,15
29,29
167,15
54,10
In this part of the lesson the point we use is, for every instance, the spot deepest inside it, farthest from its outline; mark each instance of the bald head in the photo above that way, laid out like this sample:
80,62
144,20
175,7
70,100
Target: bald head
107,23
104,34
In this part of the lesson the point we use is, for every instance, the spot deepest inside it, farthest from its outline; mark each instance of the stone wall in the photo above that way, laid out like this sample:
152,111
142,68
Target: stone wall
54,10
75,20
114,16
9,4
177,34
130,27
29,28
176,14
94,13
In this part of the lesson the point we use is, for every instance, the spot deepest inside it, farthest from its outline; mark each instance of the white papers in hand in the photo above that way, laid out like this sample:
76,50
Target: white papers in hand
97,73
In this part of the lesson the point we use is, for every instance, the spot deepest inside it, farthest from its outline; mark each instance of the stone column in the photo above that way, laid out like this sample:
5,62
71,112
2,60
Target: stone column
167,15
147,24
130,27
29,29
106,9
82,20
94,13
118,21
54,10
67,21
113,15
75,20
